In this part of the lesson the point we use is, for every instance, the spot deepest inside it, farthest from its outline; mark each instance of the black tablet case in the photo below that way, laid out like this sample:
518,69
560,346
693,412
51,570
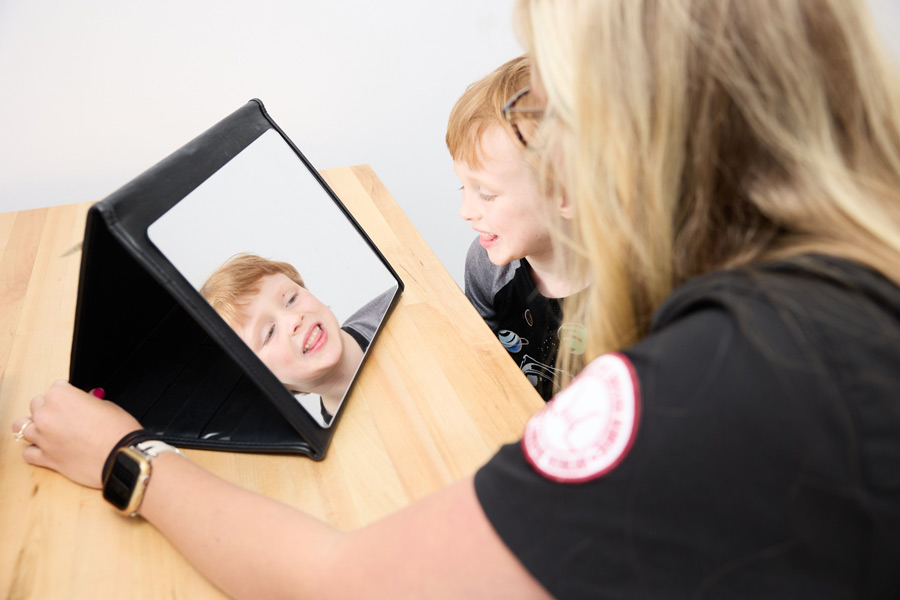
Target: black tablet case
146,335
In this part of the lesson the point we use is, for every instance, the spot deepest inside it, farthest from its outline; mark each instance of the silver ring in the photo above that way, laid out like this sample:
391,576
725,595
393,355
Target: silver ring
21,433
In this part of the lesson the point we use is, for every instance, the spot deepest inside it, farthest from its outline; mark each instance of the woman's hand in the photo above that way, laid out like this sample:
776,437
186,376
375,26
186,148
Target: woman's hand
73,432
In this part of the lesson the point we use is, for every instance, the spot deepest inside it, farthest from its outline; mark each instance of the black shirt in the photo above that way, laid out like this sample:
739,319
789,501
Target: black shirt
527,323
764,457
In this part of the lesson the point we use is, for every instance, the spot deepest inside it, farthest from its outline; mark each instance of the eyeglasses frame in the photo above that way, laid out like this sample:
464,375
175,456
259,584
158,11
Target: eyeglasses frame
509,110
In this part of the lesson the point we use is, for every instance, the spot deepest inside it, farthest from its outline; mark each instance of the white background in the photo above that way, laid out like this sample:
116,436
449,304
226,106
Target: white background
94,92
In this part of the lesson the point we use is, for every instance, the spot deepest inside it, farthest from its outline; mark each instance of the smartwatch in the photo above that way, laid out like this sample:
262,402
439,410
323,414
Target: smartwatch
128,472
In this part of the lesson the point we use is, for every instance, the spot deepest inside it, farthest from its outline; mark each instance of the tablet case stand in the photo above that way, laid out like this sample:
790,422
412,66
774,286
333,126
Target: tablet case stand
146,335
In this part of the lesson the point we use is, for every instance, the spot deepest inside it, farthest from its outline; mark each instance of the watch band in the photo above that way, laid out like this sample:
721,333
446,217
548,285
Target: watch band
129,472
129,439
153,448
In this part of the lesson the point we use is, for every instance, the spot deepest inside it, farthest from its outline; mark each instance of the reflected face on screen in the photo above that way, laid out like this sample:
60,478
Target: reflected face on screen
296,336
236,206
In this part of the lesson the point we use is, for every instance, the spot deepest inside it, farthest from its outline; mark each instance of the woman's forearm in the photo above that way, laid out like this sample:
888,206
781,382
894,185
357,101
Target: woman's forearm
251,546
248,545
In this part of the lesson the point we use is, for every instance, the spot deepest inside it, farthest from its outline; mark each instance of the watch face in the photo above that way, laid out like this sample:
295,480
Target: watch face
124,486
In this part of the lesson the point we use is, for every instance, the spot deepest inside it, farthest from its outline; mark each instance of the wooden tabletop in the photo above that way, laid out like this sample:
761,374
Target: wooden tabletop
436,398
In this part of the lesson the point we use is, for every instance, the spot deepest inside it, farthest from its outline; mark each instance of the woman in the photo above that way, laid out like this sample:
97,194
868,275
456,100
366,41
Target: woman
735,169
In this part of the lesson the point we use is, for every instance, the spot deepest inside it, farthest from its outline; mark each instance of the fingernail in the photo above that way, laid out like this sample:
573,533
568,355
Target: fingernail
99,392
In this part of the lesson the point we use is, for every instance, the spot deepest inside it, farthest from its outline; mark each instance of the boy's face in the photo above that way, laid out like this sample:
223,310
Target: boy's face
502,201
294,334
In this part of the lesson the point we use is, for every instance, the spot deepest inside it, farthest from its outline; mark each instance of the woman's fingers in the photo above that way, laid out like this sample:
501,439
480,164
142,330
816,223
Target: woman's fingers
72,431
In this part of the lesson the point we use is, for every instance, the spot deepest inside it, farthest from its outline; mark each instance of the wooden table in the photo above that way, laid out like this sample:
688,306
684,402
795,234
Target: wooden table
436,398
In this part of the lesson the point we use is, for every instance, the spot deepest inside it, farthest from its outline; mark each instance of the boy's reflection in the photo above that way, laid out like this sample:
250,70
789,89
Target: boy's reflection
294,334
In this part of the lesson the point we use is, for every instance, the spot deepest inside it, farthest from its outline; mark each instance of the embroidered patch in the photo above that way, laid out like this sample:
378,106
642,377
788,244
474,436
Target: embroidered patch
588,428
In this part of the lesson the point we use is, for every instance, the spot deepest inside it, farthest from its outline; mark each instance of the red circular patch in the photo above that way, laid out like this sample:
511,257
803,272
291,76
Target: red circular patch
588,428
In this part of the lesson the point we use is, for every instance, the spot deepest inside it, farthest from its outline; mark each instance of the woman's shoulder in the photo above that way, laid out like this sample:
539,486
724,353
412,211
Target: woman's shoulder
814,287
814,335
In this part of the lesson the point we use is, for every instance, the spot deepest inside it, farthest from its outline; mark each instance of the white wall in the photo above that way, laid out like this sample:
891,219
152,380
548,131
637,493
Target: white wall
96,91
887,16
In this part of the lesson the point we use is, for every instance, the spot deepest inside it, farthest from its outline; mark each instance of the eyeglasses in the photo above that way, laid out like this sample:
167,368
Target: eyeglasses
517,108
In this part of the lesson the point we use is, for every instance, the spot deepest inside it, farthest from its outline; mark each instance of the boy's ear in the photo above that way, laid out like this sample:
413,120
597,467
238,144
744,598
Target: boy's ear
566,210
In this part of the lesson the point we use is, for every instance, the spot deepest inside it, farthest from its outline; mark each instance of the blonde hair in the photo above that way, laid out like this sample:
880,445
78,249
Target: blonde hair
695,135
480,108
233,285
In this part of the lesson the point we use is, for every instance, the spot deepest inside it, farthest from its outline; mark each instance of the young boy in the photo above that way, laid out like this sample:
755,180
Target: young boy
293,333
513,273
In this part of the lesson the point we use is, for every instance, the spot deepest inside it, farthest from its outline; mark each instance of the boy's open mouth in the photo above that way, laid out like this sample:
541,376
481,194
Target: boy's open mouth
487,239
314,339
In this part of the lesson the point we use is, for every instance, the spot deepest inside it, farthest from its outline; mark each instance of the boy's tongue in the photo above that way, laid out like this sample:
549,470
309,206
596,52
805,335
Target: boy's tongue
487,239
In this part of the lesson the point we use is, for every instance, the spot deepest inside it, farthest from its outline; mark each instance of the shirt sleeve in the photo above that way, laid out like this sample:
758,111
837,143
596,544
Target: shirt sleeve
363,323
698,505
483,279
